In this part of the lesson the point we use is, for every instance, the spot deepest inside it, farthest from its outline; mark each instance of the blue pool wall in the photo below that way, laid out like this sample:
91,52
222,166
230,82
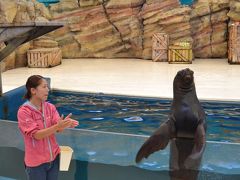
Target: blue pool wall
10,102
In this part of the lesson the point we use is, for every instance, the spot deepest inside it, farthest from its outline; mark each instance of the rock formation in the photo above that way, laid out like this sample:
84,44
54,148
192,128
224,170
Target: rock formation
209,23
234,12
105,30
113,29
165,16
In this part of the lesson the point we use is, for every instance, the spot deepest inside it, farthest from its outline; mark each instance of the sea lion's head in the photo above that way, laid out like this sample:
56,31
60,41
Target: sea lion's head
184,80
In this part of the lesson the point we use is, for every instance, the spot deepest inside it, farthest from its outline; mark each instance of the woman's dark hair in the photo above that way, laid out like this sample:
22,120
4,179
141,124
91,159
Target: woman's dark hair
32,82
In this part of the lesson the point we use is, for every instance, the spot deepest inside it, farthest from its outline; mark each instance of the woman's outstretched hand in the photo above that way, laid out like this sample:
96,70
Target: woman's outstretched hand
74,122
66,123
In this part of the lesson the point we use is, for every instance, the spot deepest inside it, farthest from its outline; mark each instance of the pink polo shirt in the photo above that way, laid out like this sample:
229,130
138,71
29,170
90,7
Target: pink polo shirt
30,120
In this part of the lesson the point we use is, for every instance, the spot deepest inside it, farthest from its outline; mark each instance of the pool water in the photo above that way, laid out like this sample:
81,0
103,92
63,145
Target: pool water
134,115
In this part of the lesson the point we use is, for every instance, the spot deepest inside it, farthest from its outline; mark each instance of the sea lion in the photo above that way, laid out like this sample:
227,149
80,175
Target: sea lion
185,129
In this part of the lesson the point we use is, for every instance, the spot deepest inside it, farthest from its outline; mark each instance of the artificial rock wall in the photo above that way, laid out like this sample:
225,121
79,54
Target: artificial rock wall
112,29
124,28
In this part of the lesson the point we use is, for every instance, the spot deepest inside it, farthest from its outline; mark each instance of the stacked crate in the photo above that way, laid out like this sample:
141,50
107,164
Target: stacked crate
180,53
160,47
234,43
44,57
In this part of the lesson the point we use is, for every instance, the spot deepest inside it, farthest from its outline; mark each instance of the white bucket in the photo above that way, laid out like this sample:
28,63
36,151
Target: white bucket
65,157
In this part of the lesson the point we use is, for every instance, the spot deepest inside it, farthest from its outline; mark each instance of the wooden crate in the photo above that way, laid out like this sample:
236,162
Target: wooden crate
44,57
234,43
160,43
183,44
180,54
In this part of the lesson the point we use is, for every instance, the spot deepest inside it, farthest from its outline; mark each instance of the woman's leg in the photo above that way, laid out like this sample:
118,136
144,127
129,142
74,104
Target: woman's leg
36,173
52,173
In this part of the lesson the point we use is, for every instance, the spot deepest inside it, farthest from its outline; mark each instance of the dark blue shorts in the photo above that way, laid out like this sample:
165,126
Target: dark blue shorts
46,171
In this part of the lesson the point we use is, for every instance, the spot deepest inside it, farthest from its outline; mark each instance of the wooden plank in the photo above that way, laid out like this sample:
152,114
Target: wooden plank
234,43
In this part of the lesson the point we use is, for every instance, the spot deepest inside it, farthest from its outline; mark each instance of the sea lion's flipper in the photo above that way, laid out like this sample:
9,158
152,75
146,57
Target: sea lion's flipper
198,149
159,140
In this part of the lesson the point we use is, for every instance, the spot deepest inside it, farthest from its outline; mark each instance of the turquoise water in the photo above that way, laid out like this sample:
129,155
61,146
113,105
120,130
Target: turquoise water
48,2
186,2
142,116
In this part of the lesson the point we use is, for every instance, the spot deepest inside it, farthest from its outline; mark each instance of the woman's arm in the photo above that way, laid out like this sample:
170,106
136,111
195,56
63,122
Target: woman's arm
60,126
43,133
